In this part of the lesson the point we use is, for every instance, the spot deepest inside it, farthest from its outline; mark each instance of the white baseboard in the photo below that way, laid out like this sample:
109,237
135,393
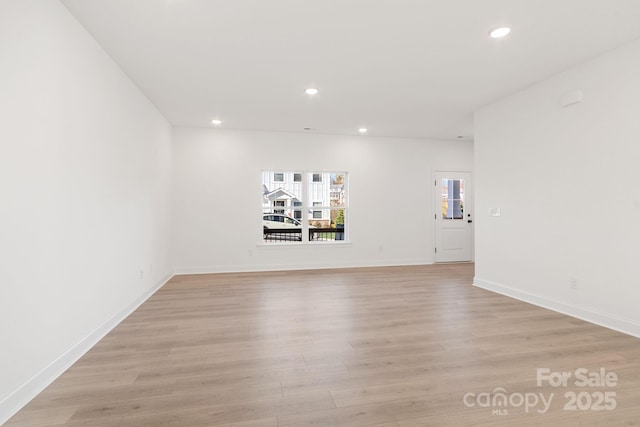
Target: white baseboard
16,400
290,267
590,315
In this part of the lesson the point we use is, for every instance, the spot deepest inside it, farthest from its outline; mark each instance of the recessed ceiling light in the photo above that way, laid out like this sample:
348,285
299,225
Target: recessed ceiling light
311,91
363,130
216,122
499,32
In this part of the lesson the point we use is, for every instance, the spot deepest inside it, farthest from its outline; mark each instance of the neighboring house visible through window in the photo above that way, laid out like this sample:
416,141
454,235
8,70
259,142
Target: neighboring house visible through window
299,206
317,214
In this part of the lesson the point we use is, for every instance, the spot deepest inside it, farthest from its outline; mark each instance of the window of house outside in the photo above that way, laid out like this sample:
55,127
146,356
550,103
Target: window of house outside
304,206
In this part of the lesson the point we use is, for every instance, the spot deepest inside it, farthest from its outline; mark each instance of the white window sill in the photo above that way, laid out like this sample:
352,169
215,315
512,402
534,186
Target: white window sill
293,245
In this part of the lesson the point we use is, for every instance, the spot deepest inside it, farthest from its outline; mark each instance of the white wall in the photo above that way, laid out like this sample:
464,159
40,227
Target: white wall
85,166
567,182
217,188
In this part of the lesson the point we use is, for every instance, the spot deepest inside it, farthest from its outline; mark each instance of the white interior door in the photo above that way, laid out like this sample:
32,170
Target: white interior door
454,221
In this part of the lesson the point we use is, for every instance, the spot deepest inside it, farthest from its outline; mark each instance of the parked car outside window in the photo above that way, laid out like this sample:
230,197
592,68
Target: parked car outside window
279,221
274,221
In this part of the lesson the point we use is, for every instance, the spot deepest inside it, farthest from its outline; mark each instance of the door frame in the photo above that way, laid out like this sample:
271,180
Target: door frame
469,208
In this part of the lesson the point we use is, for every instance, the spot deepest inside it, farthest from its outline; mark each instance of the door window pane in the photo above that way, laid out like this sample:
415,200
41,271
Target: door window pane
452,198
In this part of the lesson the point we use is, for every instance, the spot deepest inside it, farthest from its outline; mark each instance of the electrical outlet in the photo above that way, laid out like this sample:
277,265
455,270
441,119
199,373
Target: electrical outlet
573,283
141,274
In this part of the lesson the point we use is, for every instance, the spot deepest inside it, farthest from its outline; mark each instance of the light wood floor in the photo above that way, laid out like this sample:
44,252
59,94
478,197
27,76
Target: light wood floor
384,347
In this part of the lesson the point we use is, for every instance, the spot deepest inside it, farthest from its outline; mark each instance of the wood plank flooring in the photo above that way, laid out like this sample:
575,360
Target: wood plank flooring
375,347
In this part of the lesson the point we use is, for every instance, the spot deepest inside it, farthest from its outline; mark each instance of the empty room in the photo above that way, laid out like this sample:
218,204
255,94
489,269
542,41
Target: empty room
340,213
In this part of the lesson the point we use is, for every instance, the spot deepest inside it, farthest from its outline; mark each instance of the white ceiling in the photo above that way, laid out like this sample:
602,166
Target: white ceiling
404,68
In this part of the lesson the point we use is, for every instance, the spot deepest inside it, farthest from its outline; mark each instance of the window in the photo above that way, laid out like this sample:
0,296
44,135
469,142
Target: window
310,206
452,198
278,203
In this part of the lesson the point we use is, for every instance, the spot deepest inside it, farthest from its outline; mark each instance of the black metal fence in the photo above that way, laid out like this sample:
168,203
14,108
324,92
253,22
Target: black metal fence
295,234
282,234
326,234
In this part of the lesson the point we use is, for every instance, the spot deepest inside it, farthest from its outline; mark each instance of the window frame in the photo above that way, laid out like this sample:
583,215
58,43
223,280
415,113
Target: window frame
304,211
